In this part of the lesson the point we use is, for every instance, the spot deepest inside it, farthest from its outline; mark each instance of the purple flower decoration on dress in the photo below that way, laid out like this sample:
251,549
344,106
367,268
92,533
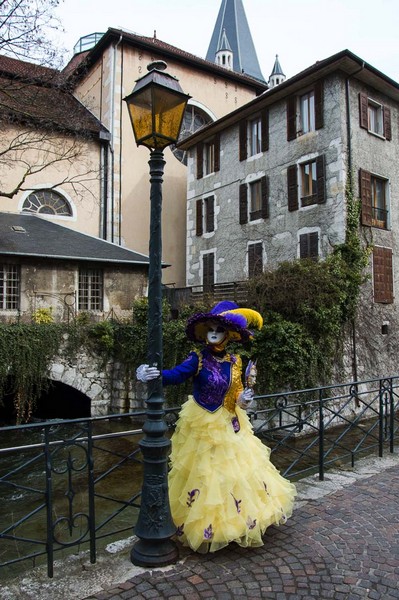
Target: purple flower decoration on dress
237,503
236,424
180,530
208,532
251,523
192,496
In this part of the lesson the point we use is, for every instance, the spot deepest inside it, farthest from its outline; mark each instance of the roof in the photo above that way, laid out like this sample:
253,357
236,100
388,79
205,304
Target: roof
29,235
233,21
164,51
32,94
277,70
345,61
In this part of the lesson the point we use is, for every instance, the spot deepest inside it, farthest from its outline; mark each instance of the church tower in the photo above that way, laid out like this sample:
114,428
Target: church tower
276,76
232,27
224,55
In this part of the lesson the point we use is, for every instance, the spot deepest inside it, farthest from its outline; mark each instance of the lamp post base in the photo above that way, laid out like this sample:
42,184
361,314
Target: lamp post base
145,553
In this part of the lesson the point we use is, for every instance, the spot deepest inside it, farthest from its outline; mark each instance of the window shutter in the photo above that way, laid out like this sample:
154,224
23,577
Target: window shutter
387,123
243,140
216,142
255,259
210,214
363,110
365,196
292,182
243,204
383,275
319,104
314,244
200,160
265,197
198,220
321,180
208,274
265,129
291,118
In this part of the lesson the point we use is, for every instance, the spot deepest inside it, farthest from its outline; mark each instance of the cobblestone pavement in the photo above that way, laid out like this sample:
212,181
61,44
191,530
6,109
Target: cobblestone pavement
344,545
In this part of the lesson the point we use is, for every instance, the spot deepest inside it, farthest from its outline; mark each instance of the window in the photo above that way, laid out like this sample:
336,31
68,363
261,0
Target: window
308,183
194,119
311,183
305,112
90,289
258,200
375,117
255,259
205,215
9,287
309,245
208,271
47,202
374,196
254,135
208,157
382,275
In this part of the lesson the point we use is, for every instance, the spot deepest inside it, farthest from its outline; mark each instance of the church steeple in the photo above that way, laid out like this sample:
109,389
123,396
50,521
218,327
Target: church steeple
232,26
276,76
224,54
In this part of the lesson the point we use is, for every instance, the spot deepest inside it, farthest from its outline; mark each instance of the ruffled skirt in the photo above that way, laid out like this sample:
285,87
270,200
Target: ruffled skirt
222,486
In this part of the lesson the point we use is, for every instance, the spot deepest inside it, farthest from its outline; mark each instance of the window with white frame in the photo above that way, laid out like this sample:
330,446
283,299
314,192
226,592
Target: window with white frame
209,158
307,112
47,202
91,285
308,175
9,287
255,200
374,193
254,136
375,116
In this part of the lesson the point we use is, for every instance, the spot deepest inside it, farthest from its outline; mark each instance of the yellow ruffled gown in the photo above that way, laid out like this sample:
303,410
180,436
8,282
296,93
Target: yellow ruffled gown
222,486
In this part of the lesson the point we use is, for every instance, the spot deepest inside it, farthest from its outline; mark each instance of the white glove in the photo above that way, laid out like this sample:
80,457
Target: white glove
245,398
145,373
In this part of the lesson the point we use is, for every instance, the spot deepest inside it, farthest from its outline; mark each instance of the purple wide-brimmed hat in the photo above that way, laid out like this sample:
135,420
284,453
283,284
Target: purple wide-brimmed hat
235,320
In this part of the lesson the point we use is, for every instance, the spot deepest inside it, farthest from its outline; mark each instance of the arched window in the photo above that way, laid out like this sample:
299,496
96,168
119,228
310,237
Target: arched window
47,202
194,118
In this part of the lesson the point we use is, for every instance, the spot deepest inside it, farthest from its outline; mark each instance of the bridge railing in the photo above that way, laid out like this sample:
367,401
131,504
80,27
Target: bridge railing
76,484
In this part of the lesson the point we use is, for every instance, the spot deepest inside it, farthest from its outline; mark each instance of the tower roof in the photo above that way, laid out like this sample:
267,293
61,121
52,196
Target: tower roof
224,42
232,22
277,70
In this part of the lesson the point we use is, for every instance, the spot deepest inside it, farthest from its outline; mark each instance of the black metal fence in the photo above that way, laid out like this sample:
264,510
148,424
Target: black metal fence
74,484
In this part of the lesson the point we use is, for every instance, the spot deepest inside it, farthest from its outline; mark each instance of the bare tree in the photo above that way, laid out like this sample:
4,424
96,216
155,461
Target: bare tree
27,30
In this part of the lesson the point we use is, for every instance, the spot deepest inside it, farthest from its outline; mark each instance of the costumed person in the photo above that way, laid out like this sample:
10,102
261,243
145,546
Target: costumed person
222,486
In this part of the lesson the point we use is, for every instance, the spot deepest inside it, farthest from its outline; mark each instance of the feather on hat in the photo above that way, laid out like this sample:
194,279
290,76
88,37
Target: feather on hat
235,320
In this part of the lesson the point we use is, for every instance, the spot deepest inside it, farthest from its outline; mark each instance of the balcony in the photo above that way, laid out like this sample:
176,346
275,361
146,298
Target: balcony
236,291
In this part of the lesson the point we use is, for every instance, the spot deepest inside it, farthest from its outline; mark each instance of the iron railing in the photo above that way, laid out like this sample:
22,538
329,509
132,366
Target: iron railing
73,484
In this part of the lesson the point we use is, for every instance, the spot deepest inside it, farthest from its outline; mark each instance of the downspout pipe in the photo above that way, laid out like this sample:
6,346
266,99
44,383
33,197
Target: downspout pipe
112,129
350,164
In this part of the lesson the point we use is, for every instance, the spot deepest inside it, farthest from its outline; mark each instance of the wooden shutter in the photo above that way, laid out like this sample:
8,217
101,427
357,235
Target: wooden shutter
265,197
243,204
208,271
363,110
382,275
255,259
243,151
292,183
321,179
265,129
200,160
309,245
387,123
210,214
198,219
291,118
216,166
319,104
365,196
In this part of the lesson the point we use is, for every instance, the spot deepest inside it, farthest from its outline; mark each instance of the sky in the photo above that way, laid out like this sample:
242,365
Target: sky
301,32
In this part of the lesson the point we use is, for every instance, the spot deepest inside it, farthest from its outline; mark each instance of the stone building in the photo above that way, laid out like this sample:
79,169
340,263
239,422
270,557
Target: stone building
267,183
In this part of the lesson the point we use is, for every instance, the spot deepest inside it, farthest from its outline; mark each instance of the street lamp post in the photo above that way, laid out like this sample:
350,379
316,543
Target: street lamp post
156,108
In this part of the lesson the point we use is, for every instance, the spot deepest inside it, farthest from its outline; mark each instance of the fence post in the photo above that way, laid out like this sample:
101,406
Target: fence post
381,417
321,437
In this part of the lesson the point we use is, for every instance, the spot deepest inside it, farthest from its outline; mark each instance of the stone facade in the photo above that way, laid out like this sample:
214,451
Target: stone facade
314,134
